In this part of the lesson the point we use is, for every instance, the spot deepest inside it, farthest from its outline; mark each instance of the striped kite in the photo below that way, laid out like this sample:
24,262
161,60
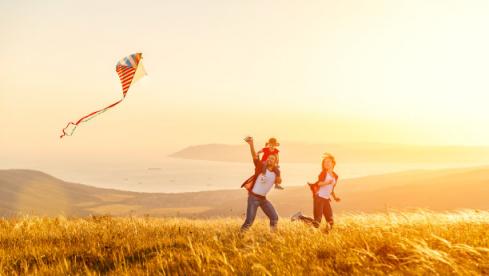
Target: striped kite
130,69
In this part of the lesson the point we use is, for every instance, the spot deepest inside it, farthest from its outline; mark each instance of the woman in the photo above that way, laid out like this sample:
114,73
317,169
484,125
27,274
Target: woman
322,192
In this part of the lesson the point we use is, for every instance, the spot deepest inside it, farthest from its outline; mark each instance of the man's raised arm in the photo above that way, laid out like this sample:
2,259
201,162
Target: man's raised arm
249,140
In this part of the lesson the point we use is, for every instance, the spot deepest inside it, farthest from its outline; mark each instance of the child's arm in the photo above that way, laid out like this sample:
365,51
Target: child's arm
258,154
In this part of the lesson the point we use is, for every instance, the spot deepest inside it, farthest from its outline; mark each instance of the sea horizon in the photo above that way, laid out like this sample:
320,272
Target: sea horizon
176,175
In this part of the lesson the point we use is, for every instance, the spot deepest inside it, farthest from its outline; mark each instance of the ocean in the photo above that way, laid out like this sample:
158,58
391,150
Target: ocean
171,175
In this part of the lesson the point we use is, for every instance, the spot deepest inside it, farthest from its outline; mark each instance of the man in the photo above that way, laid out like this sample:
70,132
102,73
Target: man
258,187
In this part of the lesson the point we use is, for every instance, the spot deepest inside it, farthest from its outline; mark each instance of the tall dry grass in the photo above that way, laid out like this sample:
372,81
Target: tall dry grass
413,243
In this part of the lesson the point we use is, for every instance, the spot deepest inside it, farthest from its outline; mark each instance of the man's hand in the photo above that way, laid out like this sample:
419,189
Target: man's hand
249,139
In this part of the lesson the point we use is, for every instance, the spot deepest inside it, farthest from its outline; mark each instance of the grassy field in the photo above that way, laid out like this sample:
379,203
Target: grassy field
417,242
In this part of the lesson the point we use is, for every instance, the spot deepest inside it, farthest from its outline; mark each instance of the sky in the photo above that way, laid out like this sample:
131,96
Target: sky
407,72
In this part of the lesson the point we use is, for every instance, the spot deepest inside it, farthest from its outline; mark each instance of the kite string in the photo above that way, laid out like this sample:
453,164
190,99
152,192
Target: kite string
84,121
87,118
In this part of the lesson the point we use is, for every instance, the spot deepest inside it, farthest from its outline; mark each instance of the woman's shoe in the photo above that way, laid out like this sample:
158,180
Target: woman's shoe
296,216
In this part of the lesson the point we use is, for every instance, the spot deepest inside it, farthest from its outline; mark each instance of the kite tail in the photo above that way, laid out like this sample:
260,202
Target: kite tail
86,119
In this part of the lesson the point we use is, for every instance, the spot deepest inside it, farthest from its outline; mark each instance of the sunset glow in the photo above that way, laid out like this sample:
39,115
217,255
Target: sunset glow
408,72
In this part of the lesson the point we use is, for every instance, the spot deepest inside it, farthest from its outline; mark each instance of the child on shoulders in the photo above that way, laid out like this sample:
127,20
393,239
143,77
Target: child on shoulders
271,149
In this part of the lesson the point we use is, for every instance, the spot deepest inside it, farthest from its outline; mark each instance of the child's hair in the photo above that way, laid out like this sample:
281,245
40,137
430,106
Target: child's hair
271,141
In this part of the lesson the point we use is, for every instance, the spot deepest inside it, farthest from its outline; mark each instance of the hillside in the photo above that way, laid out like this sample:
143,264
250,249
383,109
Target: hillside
33,192
360,152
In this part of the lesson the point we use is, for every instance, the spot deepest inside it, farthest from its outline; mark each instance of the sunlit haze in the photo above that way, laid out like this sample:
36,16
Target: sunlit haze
401,72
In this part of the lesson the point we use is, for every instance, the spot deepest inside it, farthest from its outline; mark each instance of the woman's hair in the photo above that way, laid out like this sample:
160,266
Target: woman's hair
330,157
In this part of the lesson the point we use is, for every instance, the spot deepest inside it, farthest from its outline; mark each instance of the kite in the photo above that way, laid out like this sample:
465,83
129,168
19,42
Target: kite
130,69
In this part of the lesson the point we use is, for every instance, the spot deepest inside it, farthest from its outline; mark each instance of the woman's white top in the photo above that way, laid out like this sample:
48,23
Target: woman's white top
325,191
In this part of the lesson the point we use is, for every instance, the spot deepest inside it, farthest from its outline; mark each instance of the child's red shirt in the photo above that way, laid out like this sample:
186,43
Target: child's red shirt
267,152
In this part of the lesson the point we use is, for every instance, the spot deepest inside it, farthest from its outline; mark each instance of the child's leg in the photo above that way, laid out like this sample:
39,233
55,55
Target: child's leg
277,171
